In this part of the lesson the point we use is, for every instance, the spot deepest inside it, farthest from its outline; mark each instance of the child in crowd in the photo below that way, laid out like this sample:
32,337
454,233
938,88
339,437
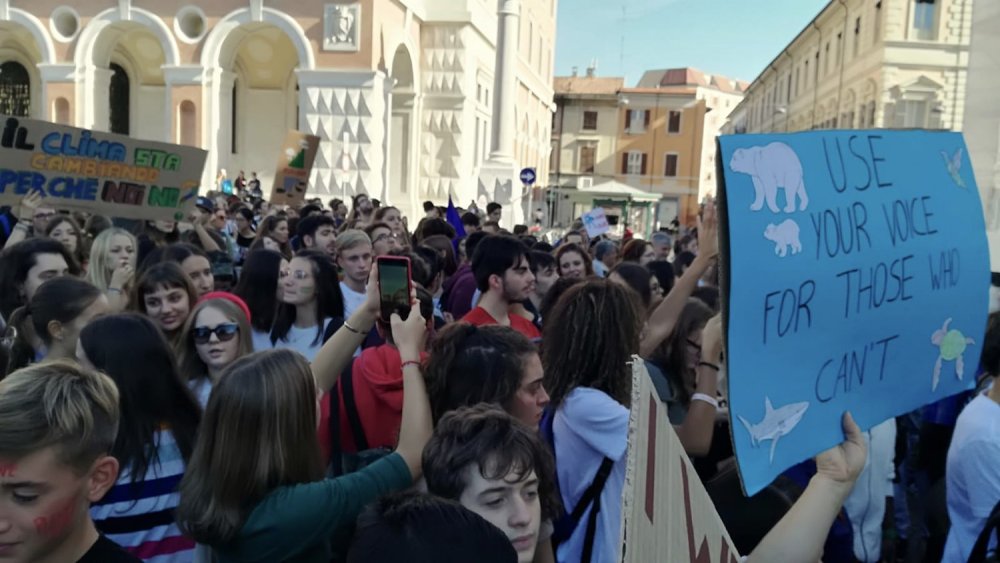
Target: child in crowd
58,423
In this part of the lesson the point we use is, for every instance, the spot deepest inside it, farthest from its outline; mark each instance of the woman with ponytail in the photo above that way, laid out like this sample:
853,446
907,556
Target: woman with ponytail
49,325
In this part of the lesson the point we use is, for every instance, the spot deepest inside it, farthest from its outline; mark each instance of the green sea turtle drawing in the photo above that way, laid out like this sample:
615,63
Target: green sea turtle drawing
951,345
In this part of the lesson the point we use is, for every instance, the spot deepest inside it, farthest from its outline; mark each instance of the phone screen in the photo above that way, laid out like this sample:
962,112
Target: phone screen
394,287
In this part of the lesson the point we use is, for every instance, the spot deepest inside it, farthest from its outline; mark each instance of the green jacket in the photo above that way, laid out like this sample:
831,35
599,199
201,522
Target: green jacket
307,523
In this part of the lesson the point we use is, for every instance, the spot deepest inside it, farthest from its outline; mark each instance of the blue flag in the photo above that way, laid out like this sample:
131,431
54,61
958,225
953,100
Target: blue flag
455,220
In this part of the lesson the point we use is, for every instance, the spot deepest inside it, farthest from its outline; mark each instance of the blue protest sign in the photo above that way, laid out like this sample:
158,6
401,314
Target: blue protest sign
857,273
528,176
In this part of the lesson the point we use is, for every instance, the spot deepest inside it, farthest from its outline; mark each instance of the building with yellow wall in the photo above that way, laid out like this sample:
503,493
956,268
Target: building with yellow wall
666,137
863,64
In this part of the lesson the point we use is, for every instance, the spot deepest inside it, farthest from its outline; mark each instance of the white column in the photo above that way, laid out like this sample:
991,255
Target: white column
96,104
505,82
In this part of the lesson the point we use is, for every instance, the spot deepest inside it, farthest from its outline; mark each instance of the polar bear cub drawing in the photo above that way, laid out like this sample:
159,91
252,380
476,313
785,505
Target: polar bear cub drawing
771,167
784,235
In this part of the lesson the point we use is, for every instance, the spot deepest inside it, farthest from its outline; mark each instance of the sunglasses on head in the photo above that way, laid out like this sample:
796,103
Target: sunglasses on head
224,332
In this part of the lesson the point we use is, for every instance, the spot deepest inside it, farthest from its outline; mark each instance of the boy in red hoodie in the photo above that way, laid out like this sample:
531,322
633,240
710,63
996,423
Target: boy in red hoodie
375,382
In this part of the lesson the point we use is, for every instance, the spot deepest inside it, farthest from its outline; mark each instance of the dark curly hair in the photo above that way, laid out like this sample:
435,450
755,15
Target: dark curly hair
589,339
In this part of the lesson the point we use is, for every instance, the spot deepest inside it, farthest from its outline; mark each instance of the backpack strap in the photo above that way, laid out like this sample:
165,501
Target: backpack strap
592,496
979,551
351,406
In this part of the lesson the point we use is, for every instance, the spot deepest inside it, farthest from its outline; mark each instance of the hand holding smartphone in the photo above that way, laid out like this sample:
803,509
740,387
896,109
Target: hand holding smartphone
395,285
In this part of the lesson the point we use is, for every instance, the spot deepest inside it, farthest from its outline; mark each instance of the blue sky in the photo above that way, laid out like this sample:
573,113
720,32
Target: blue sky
735,38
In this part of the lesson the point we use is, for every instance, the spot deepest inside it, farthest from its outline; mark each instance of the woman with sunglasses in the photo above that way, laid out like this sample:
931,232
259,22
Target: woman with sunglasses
216,334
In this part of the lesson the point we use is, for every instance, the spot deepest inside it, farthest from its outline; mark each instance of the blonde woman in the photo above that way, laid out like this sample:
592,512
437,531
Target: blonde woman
216,334
112,265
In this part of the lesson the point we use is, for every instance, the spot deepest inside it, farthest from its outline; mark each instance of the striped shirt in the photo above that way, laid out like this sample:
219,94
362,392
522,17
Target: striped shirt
140,517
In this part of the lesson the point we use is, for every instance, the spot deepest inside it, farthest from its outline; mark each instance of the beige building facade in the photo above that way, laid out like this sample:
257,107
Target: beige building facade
863,64
401,92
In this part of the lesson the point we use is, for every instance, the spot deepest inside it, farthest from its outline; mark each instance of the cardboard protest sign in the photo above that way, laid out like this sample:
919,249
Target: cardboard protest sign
104,173
295,162
667,514
596,222
856,271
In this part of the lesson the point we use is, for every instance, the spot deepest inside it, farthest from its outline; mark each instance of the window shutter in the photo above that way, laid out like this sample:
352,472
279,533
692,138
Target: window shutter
646,118
643,170
628,119
624,163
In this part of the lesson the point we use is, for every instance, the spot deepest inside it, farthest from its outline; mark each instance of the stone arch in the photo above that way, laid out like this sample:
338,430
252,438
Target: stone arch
220,39
94,40
280,45
402,134
43,41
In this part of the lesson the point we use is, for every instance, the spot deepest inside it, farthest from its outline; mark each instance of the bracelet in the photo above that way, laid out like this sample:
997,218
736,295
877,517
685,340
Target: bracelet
708,365
22,224
114,289
348,326
410,363
705,399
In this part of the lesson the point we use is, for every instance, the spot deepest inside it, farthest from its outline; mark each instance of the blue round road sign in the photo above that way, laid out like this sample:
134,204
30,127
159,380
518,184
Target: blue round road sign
528,176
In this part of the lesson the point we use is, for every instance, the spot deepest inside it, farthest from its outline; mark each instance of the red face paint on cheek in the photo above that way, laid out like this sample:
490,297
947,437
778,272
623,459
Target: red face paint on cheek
55,524
8,469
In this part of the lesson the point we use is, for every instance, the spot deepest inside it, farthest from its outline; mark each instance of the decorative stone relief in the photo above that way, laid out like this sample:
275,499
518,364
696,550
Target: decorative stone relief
342,27
358,113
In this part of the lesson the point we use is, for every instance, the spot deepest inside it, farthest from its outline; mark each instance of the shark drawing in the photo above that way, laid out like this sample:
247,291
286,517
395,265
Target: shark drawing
776,423
954,164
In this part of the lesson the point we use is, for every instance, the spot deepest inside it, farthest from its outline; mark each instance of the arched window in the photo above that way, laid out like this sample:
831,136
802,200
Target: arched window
15,89
119,100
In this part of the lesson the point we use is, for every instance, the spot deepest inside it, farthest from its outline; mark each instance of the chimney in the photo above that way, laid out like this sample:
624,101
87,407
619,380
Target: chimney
574,72
592,68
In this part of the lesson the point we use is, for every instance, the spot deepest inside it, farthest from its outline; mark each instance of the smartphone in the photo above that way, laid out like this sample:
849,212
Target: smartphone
394,286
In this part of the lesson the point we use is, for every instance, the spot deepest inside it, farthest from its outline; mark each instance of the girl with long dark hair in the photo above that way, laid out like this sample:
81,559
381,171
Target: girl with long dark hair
156,436
261,290
66,230
310,302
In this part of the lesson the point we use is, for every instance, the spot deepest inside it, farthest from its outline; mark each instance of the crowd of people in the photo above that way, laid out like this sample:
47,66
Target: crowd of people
228,389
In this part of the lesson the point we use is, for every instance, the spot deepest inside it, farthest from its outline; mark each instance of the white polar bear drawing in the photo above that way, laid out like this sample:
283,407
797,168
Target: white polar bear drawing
771,167
784,235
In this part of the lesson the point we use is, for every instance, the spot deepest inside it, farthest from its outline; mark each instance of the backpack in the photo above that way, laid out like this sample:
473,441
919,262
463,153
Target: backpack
565,525
341,462
981,552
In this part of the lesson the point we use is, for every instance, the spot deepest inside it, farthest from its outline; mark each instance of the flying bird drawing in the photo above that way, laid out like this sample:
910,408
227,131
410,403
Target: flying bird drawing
954,164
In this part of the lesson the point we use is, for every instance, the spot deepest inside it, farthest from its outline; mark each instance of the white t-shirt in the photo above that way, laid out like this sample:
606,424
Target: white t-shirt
202,389
972,476
261,340
302,341
352,299
588,427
